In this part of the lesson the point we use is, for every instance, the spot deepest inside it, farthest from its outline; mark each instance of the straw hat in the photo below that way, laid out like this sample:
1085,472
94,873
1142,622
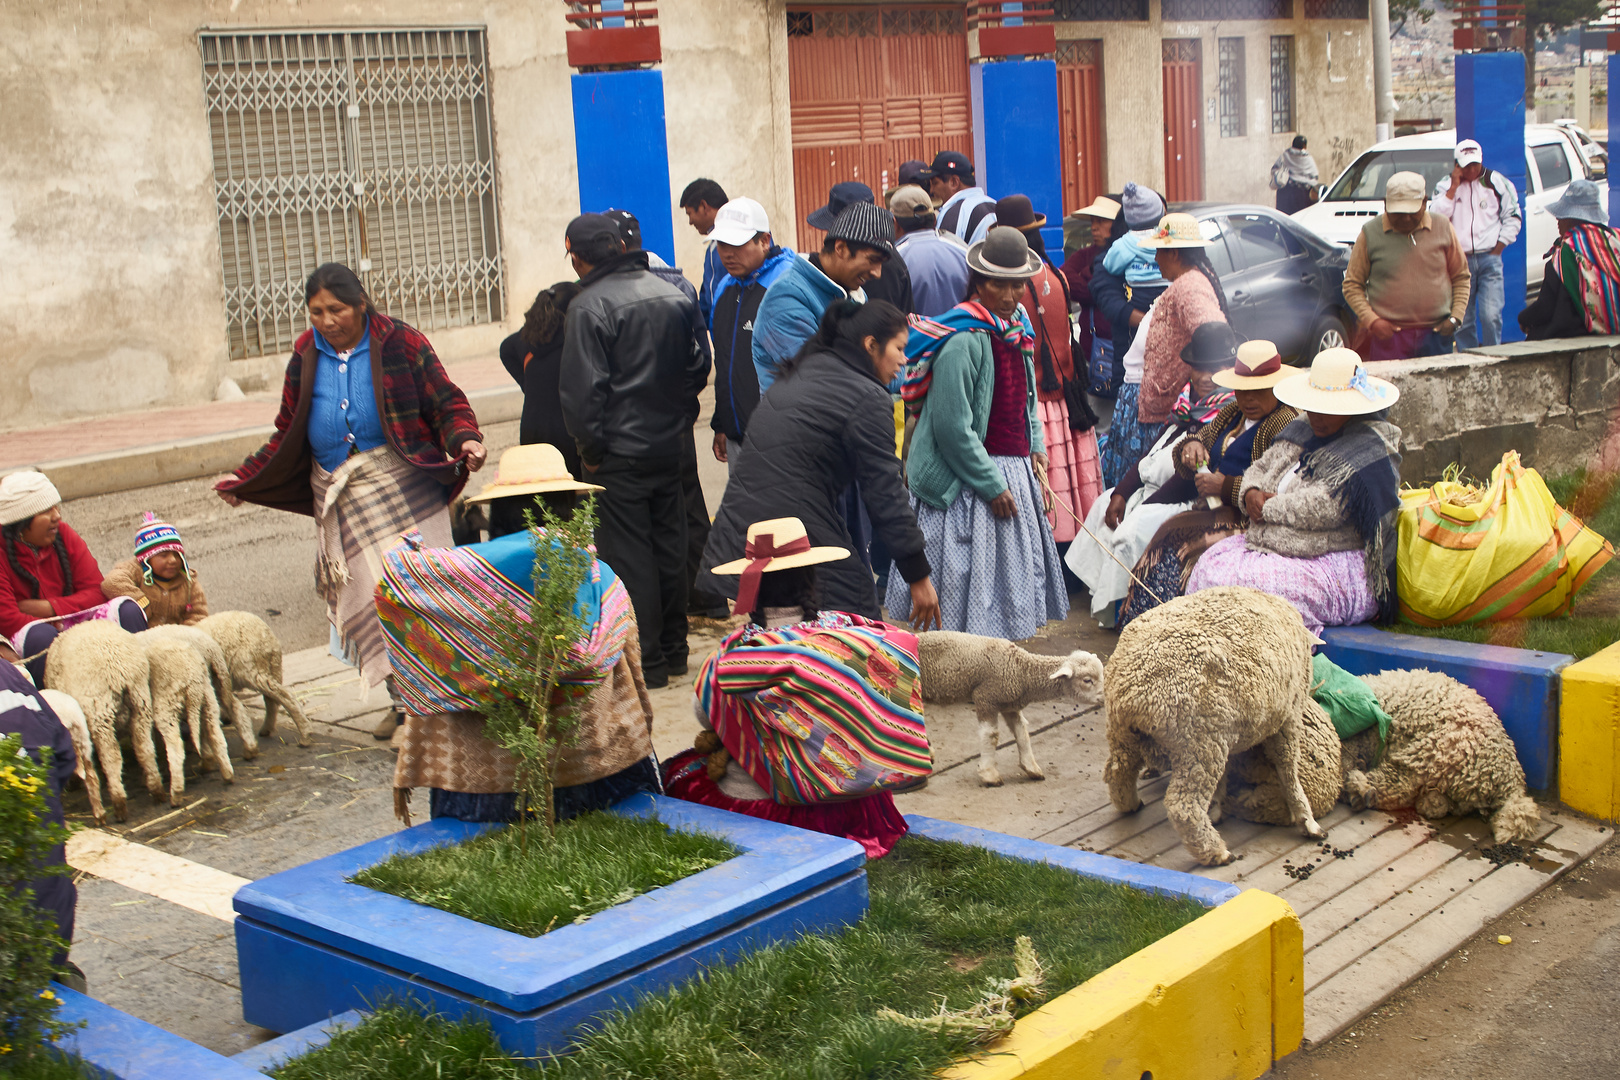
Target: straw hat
1177,231
1004,253
1101,207
1337,384
1259,366
779,535
531,470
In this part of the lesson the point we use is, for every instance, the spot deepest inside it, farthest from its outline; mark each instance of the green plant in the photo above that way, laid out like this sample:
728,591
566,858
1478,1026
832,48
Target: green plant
537,715
28,940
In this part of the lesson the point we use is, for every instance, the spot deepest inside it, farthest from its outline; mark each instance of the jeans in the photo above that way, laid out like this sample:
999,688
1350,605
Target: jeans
641,534
1485,298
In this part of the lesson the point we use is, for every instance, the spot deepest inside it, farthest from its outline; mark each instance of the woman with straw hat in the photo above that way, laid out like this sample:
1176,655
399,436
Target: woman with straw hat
811,718
978,453
1213,460
527,478
1322,502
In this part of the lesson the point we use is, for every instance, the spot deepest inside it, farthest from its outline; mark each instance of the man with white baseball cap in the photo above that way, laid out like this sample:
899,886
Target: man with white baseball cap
1483,208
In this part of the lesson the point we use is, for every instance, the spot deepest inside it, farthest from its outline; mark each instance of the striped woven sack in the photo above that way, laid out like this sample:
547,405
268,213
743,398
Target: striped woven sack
1505,551
434,603
821,711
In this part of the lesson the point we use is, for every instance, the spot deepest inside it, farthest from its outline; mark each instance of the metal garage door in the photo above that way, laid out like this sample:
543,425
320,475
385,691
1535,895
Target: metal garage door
1183,131
1080,113
872,87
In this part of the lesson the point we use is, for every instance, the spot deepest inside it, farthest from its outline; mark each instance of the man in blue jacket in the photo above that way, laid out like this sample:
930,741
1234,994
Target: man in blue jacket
753,262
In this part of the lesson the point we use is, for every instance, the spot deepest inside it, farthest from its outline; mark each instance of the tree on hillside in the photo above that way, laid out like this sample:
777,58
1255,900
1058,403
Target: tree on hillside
1402,10
1543,20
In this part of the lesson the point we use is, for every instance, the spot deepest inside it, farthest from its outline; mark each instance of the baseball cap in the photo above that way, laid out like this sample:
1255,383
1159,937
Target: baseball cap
1469,153
738,222
863,223
949,163
590,227
842,194
1405,193
909,201
911,172
629,228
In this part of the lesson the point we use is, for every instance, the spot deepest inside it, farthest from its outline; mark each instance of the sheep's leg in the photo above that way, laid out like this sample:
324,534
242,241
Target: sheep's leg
244,729
174,748
989,775
1014,719
140,738
277,692
269,727
213,735
1124,765
1283,750
1388,787
1516,819
105,737
1215,802
1434,804
1194,778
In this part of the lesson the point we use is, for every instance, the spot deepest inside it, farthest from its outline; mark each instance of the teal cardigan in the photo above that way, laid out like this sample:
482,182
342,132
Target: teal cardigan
947,448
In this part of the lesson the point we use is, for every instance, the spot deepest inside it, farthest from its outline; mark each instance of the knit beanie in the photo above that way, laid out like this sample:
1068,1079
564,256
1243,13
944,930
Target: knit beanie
25,494
154,536
1143,207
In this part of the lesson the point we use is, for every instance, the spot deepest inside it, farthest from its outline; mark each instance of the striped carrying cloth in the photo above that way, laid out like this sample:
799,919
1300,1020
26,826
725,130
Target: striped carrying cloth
928,336
433,603
821,711
1588,264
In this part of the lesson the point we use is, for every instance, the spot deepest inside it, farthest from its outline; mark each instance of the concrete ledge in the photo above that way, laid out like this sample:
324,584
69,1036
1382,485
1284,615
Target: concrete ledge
125,1048
269,1055
1523,686
1589,736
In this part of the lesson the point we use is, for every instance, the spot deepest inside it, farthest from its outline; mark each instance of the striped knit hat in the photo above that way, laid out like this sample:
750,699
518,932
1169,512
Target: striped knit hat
154,536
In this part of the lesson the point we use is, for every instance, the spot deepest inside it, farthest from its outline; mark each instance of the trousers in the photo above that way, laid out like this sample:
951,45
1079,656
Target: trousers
38,637
641,534
698,602
1485,300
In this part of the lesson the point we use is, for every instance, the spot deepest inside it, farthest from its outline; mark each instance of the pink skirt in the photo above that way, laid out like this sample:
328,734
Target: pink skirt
1076,468
1329,590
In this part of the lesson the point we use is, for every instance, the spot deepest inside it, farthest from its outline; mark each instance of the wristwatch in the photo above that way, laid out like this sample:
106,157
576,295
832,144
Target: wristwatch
1456,323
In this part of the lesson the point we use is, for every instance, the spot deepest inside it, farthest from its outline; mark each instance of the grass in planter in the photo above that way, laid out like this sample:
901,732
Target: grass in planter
942,925
49,1065
596,861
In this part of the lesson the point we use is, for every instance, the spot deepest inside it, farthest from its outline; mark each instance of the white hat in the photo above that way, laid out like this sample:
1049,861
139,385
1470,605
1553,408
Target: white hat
738,222
25,494
1337,384
530,469
1177,231
1405,193
1469,153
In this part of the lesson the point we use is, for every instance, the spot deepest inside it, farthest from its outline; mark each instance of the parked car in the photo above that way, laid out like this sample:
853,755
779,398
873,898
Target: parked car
1595,153
1551,162
1282,282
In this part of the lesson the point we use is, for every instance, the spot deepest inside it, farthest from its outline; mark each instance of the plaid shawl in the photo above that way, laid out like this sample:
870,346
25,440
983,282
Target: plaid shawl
928,335
1202,411
1362,464
1588,264
821,711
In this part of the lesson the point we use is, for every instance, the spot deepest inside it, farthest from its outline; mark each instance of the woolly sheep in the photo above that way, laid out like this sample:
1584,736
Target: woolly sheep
1252,792
1203,677
254,654
182,697
105,670
67,710
1448,754
1000,678
213,744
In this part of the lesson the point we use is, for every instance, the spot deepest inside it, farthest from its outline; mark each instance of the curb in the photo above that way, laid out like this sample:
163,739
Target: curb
1589,736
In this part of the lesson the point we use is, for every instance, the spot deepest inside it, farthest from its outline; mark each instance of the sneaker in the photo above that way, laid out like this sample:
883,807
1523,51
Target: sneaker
71,977
387,726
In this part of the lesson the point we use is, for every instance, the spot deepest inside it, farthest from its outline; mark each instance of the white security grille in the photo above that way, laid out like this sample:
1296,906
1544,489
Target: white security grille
369,148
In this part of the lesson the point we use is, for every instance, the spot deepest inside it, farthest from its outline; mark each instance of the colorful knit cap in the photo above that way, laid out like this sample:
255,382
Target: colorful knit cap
154,536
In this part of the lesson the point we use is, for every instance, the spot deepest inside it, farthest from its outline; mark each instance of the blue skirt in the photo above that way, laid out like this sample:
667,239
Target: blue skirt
1128,437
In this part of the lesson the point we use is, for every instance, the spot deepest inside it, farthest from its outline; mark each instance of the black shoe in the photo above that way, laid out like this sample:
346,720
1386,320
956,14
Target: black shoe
71,977
656,682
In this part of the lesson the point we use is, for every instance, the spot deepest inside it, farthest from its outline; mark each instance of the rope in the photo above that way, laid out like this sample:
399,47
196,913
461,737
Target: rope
1053,496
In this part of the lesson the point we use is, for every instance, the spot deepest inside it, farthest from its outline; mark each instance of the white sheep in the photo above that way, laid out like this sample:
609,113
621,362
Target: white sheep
219,676
72,716
104,669
1204,677
254,654
182,696
1000,678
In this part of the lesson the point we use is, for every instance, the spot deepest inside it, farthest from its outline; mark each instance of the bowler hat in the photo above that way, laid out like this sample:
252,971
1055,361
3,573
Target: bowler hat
1003,253
1018,212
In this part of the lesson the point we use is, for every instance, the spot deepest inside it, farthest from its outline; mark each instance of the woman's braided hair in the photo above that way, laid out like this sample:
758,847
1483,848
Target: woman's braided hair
13,537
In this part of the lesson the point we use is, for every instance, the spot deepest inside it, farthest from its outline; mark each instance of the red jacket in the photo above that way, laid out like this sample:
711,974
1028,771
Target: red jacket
424,415
47,567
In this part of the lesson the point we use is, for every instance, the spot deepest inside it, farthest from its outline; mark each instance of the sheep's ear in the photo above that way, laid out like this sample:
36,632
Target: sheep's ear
1064,671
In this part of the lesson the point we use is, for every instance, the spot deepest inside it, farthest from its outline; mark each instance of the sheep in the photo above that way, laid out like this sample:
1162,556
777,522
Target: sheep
1448,754
254,654
181,691
105,670
1203,677
67,710
219,676
1000,678
1252,792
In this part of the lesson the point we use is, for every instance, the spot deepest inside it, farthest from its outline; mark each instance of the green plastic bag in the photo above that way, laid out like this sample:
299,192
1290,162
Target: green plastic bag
1349,702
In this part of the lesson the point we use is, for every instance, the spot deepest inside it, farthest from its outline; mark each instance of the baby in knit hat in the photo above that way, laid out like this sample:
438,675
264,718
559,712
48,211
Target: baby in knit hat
1130,257
159,578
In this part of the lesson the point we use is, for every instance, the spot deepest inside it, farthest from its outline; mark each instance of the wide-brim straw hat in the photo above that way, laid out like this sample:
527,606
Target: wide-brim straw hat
1101,207
1337,384
1259,367
1003,253
778,534
534,469
1177,231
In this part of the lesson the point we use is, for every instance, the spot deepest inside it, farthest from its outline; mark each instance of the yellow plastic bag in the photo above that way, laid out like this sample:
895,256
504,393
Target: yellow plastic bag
1506,551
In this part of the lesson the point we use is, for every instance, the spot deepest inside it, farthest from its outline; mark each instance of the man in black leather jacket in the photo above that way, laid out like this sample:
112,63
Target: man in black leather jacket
630,366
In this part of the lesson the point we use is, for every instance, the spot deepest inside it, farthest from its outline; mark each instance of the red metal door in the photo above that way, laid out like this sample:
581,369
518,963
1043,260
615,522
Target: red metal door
869,88
1183,129
1080,114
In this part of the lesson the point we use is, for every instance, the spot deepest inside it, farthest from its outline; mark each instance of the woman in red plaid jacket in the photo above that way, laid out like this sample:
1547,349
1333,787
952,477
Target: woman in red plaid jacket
373,440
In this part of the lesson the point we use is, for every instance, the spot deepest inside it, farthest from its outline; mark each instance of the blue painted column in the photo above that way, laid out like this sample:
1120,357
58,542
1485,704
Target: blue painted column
1614,120
1016,138
623,152
1490,108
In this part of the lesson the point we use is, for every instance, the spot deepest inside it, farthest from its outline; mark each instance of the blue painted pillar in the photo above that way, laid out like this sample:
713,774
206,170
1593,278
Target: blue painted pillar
1490,108
1614,125
1016,138
623,151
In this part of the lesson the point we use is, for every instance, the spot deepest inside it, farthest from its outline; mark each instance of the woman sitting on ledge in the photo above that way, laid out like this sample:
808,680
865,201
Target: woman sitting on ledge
1580,288
1322,502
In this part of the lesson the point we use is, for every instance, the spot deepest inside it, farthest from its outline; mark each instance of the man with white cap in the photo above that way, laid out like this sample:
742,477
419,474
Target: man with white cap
1483,208
1408,277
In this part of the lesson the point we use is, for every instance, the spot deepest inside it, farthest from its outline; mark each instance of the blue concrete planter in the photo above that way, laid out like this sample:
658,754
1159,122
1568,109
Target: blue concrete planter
125,1048
311,946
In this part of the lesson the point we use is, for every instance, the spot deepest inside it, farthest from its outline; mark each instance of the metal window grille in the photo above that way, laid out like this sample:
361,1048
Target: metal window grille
1336,9
1076,53
1282,85
370,148
1219,10
1100,10
1230,54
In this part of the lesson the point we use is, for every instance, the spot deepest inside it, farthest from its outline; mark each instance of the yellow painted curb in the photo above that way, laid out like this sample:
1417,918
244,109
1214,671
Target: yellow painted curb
1589,735
1222,998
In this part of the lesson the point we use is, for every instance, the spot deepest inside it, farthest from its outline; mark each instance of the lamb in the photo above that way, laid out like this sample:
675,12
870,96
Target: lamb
1203,677
105,670
181,691
254,654
67,710
1448,754
999,677
219,677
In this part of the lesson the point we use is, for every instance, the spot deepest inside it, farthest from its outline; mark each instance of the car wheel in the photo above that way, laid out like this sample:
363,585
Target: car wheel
1329,334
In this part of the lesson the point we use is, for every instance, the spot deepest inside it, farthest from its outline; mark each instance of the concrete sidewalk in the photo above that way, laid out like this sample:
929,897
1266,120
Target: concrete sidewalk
125,451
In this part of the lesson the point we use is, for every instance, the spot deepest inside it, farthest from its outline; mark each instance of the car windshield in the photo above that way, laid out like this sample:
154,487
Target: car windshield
1365,178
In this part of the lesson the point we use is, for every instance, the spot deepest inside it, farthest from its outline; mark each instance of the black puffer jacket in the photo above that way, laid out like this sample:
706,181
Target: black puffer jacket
630,363
826,424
